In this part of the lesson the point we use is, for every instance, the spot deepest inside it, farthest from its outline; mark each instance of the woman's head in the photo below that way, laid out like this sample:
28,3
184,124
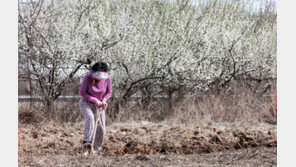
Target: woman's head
99,71
100,66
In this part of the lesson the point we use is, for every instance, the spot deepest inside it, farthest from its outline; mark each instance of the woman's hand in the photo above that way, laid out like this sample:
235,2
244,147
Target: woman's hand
99,103
104,104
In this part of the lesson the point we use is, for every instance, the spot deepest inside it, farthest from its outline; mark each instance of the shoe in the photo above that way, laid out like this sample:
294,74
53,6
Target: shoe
100,152
85,143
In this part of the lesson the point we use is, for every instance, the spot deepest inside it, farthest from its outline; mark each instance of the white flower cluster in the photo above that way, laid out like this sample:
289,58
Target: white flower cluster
189,45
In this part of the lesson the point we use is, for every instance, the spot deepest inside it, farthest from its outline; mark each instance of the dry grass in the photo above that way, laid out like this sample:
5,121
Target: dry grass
215,130
239,107
39,143
144,139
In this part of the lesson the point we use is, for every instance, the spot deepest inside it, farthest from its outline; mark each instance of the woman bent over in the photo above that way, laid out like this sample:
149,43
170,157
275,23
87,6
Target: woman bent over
95,90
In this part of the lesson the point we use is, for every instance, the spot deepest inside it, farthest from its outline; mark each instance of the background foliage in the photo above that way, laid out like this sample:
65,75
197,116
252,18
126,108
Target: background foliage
173,49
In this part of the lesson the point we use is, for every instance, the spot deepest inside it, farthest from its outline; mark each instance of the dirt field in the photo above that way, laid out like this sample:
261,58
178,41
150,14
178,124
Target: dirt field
251,157
52,145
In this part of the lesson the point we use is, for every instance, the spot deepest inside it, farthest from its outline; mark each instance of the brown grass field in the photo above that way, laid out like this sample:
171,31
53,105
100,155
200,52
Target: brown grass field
47,143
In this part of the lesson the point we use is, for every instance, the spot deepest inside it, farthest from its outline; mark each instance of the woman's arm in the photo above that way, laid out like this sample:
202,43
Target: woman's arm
108,89
83,90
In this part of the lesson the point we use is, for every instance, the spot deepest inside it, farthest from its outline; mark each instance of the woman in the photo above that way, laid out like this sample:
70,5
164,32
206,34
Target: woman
95,90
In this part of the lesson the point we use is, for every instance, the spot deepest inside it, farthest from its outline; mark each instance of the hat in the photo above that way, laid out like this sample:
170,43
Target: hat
99,74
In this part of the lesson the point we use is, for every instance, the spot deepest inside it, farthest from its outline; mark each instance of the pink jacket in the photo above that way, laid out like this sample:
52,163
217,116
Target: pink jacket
102,89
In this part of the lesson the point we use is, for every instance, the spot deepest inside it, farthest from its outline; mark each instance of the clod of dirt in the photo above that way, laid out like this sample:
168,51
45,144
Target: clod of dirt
142,158
164,158
34,135
30,117
50,145
196,132
125,129
215,139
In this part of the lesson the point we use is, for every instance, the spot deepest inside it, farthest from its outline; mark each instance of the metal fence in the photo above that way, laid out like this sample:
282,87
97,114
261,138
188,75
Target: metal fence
27,98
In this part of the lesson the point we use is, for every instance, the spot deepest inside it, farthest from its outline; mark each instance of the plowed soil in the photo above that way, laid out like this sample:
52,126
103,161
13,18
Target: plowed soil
51,144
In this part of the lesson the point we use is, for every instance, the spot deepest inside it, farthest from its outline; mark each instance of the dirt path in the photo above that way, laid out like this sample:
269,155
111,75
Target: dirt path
260,156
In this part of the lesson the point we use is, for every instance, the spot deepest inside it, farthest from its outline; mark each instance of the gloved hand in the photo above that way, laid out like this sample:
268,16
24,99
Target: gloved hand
104,103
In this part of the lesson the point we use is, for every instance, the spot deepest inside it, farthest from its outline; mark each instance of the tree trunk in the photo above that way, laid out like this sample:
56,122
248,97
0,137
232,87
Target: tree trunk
31,92
171,108
49,109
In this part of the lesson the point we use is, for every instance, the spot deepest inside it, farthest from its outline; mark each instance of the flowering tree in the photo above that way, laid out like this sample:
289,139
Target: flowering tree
54,36
178,46
152,47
